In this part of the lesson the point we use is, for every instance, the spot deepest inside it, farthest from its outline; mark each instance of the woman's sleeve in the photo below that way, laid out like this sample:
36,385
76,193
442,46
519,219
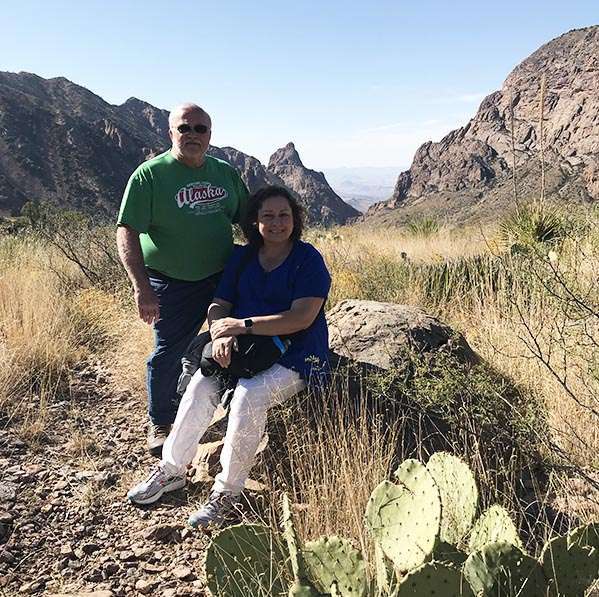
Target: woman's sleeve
226,287
312,278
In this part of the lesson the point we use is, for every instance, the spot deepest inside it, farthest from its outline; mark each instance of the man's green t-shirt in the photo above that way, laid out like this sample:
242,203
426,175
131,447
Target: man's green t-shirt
184,214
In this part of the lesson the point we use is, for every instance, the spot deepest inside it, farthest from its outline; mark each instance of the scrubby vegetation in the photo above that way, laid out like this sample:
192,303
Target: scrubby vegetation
524,294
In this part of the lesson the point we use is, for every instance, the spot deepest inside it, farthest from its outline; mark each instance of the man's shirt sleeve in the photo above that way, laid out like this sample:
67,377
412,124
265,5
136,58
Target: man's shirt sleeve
242,197
136,206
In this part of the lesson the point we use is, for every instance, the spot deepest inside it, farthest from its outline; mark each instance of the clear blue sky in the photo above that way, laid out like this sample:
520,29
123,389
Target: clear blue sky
352,84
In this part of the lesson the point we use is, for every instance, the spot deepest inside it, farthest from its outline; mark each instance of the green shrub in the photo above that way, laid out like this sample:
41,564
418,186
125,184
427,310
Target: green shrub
422,226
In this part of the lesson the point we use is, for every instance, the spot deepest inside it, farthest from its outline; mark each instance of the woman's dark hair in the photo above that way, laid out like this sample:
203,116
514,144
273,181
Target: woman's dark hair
249,225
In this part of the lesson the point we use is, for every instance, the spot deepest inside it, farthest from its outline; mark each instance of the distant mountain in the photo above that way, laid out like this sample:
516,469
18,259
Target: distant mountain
469,172
362,186
322,203
60,142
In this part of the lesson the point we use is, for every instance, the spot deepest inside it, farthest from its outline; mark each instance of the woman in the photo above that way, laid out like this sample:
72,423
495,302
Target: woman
274,286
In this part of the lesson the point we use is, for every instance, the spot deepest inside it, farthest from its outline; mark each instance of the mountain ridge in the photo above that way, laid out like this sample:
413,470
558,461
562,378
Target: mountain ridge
470,170
61,142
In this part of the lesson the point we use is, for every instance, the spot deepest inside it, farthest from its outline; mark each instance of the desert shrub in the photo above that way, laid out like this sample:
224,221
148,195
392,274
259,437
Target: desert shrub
531,225
89,243
422,226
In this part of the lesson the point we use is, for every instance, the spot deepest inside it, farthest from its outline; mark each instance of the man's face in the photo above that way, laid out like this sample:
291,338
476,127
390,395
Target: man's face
187,133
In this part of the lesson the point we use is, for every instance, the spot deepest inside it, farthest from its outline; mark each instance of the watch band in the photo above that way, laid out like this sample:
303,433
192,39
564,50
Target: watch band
248,323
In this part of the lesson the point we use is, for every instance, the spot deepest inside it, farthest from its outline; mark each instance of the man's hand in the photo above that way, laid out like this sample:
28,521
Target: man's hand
147,304
222,349
227,326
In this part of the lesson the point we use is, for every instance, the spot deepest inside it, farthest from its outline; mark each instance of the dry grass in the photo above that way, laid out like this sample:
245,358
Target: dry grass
46,329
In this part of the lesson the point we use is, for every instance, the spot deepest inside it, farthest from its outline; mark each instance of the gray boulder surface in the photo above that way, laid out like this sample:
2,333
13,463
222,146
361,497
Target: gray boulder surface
377,334
468,174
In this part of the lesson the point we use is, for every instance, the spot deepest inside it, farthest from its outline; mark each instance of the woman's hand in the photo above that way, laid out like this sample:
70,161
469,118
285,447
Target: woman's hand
222,349
227,326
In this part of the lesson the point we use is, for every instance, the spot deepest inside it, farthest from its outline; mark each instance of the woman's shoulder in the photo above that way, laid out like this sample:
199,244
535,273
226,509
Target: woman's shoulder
307,250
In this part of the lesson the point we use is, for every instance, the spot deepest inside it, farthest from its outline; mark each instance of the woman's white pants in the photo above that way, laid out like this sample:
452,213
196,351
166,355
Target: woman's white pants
247,421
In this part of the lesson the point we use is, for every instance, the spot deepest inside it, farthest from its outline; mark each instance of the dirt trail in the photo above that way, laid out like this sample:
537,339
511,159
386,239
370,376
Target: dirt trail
65,525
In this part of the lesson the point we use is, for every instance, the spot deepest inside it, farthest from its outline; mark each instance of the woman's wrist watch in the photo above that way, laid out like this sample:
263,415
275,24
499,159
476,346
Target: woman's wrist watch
248,324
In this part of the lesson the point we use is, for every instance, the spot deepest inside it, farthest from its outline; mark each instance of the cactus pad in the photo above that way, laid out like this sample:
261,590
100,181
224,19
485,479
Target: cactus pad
571,567
585,536
494,526
332,560
245,559
434,580
503,570
459,495
449,554
405,518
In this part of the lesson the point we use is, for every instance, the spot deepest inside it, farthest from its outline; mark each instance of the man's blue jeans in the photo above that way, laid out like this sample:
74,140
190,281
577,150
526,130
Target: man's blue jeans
183,308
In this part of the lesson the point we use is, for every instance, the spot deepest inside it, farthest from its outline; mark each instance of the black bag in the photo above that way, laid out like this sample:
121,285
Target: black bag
253,354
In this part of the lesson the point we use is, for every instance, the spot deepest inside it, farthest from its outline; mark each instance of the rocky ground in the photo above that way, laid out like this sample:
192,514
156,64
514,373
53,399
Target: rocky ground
66,527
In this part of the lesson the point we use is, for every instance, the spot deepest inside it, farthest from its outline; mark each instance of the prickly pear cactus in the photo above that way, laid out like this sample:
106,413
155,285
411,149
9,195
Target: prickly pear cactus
585,536
503,570
459,495
495,525
570,566
301,587
334,561
405,518
245,559
434,579
449,554
385,575
298,589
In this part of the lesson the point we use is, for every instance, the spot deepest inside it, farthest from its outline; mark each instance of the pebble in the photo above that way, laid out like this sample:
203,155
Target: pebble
144,586
126,556
182,573
163,532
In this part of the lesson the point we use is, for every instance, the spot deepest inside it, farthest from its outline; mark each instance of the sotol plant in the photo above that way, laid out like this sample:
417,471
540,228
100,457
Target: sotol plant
427,542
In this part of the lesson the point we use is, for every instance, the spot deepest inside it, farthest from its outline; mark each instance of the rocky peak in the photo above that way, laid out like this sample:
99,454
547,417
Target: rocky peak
473,165
322,203
285,156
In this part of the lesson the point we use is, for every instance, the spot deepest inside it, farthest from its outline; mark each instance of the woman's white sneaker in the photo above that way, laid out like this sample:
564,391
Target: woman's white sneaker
158,483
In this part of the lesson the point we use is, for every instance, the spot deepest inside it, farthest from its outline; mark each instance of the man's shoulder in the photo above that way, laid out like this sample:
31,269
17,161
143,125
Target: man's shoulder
155,164
220,165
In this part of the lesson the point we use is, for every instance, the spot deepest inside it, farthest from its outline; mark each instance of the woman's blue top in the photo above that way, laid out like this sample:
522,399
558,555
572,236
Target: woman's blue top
254,291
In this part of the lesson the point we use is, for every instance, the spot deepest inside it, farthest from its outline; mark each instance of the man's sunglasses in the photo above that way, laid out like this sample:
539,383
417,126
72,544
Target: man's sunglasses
198,128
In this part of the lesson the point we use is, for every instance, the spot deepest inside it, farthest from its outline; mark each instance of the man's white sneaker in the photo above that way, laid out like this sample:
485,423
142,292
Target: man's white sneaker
152,489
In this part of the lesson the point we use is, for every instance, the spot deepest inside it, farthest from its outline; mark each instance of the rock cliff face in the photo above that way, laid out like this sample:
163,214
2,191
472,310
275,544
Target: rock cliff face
472,167
322,204
61,142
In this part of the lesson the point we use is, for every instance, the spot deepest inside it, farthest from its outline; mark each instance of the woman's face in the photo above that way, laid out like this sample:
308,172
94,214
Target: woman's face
275,220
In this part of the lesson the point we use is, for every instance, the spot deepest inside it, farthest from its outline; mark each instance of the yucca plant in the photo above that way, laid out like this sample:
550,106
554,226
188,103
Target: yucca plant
532,225
422,226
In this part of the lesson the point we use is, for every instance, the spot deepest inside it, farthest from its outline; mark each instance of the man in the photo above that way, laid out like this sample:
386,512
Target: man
174,236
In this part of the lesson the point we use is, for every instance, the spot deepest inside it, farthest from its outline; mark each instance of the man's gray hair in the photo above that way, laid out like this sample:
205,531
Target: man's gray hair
185,109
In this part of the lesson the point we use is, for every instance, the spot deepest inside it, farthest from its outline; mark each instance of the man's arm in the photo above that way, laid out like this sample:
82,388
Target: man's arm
129,248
